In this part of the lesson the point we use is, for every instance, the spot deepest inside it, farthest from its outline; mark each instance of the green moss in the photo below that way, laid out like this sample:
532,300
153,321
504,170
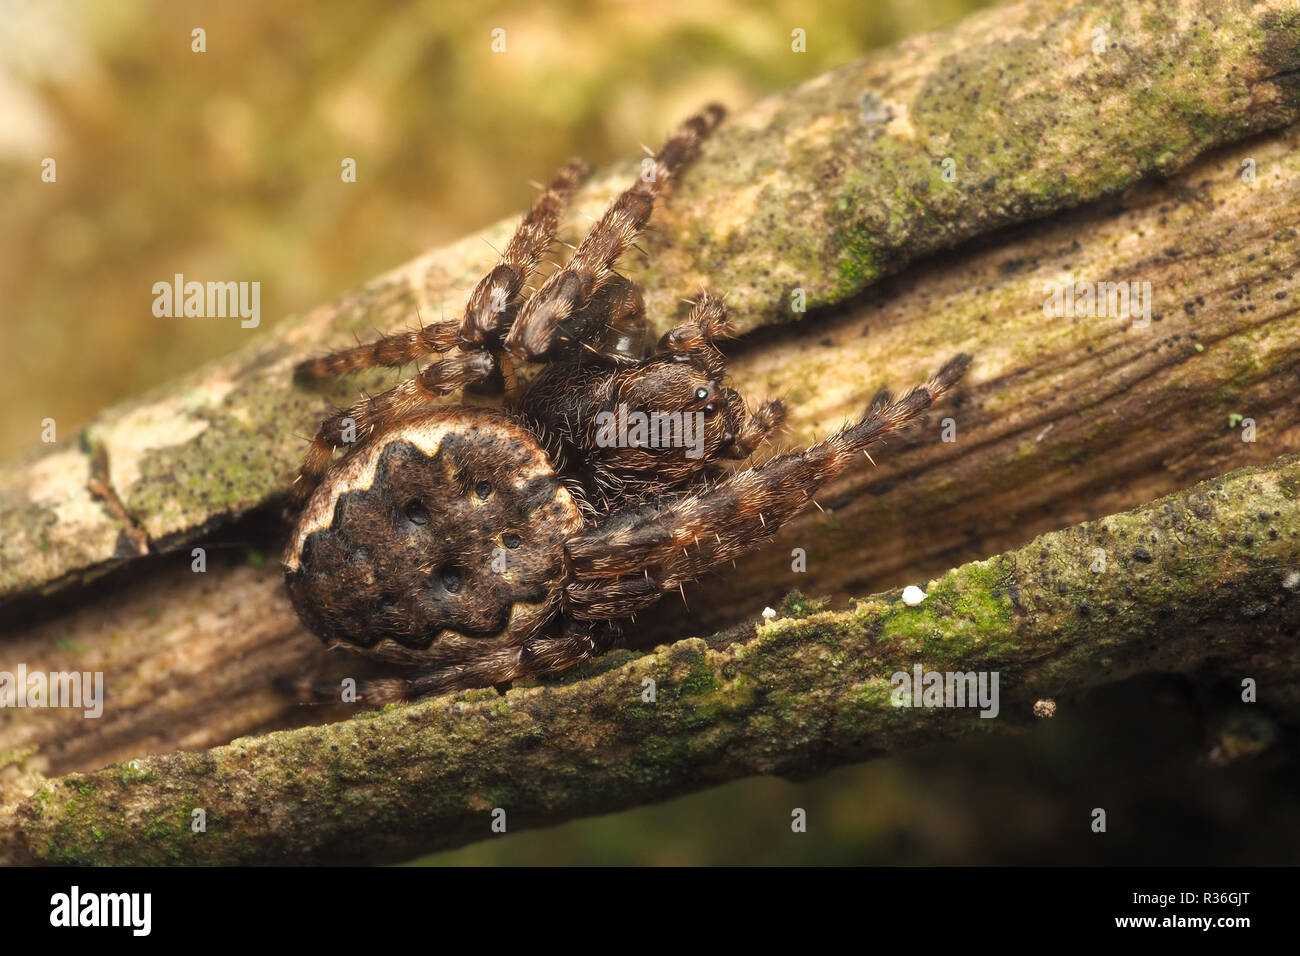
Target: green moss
132,772
858,265
159,828
966,615
796,605
700,680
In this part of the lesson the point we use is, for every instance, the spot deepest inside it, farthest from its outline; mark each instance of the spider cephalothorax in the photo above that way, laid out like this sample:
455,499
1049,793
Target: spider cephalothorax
478,545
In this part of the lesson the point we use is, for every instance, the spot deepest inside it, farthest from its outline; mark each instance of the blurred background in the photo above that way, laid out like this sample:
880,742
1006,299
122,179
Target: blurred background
226,164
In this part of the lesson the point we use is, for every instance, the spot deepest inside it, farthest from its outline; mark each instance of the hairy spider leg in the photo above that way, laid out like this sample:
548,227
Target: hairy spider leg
489,306
544,321
472,365
538,656
636,557
356,423
499,290
696,340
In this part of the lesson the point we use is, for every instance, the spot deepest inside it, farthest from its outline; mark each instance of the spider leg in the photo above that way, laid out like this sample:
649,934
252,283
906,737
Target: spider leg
489,303
608,598
696,340
486,312
612,324
753,428
360,420
641,554
572,289
541,655
496,667
707,323
391,350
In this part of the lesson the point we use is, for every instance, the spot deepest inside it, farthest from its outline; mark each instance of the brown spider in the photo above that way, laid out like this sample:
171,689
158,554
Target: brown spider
477,545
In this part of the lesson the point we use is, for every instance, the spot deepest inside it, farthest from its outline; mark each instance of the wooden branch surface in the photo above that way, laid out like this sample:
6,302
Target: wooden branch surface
1202,579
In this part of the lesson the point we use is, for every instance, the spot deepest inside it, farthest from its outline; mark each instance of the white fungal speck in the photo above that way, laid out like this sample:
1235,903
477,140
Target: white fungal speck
769,613
912,595
1291,581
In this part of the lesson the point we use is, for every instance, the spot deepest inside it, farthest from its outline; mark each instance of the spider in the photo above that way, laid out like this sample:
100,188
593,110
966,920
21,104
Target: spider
475,545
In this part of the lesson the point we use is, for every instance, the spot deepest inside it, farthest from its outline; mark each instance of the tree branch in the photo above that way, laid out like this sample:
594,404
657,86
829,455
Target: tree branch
1204,577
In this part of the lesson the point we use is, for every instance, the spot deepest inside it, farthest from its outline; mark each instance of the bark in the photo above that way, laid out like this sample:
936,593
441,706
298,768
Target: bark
1202,581
822,190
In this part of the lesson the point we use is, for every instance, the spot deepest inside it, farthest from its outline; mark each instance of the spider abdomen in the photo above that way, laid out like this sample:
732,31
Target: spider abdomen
441,532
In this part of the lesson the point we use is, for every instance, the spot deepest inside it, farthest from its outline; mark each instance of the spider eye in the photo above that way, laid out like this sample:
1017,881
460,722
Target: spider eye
710,410
701,394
